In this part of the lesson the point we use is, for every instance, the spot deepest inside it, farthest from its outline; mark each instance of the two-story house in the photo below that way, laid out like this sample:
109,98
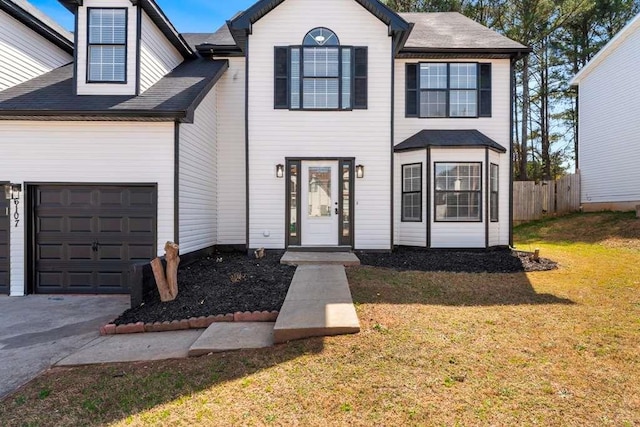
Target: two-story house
299,124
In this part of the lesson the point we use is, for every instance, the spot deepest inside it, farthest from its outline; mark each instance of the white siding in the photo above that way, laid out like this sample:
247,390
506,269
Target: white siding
24,54
496,127
198,178
276,134
410,233
157,55
85,88
87,152
459,234
609,140
232,212
499,231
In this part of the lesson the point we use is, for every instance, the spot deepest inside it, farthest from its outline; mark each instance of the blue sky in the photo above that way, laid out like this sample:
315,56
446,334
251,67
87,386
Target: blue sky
188,16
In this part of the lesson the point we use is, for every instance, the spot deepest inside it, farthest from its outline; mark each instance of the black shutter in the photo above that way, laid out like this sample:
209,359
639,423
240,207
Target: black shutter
281,74
360,78
411,96
484,92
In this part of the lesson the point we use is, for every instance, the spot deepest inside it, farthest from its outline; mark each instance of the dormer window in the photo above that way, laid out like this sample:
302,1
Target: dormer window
107,49
321,74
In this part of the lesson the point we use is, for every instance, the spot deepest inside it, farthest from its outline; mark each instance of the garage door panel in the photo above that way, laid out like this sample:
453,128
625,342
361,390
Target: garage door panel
97,231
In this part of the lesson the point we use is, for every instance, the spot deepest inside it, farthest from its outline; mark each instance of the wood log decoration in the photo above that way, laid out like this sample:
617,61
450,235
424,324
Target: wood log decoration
167,283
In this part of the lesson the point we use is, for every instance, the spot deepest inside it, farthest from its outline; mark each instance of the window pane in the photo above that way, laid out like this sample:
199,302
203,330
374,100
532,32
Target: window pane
319,192
433,76
458,190
463,103
321,62
412,178
320,93
433,104
346,78
464,76
293,201
346,200
321,37
106,63
295,78
107,26
411,207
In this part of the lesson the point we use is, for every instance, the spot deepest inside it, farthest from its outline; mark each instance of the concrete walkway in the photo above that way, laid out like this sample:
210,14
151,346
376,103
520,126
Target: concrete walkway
38,331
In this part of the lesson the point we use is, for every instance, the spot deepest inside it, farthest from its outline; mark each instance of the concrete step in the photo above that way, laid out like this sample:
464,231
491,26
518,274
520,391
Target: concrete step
318,303
347,259
233,336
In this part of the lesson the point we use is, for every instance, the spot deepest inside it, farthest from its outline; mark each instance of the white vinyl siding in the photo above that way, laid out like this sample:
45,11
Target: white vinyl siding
458,234
232,212
410,233
198,178
609,139
24,54
277,134
157,55
496,127
128,88
88,152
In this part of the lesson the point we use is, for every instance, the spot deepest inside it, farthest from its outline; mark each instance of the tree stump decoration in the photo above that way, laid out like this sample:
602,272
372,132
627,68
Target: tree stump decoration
167,283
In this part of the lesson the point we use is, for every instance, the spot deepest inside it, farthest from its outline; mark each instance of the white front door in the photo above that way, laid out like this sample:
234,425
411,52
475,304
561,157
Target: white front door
319,203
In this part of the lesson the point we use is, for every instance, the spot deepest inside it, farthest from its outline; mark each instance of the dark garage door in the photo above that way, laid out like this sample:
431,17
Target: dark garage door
5,225
87,236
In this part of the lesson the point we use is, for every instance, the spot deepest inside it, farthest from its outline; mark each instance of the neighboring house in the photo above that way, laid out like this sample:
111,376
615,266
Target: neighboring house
609,124
328,125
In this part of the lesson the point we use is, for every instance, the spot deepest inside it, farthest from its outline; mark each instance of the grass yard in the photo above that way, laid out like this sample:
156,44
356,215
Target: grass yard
551,348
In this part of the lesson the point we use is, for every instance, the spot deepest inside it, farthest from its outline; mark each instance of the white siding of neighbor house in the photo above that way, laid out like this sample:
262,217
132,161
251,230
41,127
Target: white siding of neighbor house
87,152
609,131
24,54
459,234
410,233
277,134
231,166
157,55
496,127
198,178
85,88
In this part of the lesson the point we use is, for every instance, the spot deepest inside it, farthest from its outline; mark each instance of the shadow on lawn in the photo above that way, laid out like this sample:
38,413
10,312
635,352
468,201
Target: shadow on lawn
114,392
377,285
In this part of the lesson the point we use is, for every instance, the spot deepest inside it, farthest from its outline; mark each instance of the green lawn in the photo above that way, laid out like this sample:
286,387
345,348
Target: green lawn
550,348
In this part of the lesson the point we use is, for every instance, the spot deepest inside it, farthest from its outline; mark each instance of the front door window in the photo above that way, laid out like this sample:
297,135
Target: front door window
320,198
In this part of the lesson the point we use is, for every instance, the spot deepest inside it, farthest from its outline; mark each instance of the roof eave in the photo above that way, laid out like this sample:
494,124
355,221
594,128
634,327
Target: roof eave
424,147
166,27
37,25
508,52
106,114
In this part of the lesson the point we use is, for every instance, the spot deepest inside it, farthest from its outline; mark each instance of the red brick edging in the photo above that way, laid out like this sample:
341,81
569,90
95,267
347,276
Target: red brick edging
192,323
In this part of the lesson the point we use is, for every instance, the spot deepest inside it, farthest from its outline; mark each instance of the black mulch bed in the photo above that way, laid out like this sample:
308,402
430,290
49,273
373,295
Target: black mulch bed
224,283
496,261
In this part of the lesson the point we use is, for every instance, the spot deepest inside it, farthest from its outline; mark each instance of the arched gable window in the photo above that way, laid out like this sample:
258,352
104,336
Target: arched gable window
321,74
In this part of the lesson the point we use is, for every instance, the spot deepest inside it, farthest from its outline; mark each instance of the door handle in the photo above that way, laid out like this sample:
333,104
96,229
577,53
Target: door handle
336,211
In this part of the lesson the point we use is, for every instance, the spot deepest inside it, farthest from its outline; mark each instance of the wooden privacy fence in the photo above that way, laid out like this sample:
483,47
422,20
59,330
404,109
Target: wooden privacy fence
532,201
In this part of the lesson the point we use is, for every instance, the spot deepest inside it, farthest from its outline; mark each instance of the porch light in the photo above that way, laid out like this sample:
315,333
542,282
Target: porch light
280,171
12,191
359,171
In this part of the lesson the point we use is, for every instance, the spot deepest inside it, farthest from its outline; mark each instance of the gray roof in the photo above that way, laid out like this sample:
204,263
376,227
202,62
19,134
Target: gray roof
452,30
39,22
470,138
174,97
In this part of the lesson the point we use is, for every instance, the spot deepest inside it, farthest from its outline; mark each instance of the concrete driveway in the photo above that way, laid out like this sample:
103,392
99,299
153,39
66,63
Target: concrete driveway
38,331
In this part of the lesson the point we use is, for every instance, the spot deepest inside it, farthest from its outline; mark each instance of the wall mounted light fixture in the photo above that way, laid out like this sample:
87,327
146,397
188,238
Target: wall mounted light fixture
280,171
12,191
359,171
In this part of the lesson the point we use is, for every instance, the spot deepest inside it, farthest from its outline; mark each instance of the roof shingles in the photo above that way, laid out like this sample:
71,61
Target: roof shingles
469,138
173,97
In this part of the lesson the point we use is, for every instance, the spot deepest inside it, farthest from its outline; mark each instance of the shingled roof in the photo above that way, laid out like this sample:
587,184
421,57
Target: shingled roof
442,31
469,138
174,97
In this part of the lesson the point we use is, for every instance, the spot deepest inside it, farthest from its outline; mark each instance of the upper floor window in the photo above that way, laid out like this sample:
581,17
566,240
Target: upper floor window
107,49
320,74
438,89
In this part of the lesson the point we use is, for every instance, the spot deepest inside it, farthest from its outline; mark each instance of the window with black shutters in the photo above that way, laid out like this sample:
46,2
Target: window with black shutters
441,89
412,192
320,74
